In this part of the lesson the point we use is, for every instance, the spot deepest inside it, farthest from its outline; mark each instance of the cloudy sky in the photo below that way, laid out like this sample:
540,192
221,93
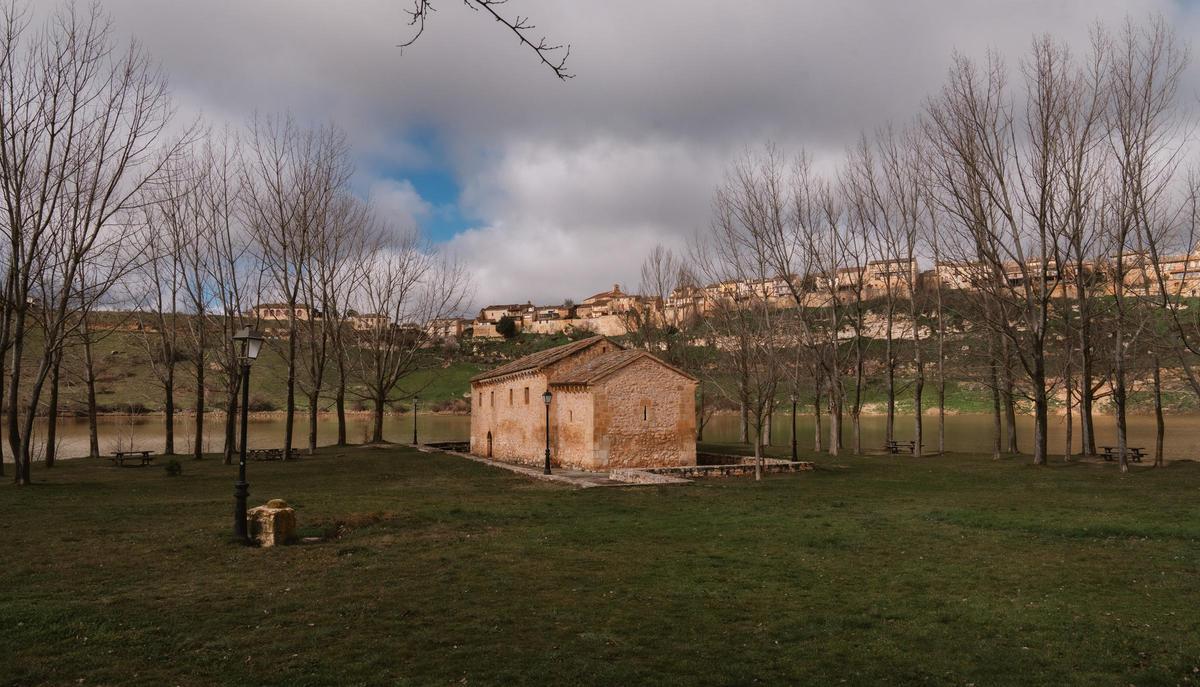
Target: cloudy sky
550,190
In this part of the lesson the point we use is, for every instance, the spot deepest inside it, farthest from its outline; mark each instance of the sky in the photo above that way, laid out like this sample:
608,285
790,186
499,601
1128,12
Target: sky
550,190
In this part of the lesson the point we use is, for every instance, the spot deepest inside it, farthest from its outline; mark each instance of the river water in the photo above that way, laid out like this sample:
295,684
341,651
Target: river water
966,432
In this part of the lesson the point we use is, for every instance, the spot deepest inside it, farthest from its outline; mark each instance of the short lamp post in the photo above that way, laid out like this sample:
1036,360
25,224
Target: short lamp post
793,427
248,342
414,419
546,399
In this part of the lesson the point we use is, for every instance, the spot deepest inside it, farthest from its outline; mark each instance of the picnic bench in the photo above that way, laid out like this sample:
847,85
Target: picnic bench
270,454
895,447
119,458
1135,453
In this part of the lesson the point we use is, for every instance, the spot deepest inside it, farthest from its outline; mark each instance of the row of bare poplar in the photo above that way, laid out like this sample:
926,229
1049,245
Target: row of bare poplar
110,200
1052,190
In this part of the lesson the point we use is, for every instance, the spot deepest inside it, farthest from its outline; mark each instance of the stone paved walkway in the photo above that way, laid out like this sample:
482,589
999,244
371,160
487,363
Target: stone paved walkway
631,477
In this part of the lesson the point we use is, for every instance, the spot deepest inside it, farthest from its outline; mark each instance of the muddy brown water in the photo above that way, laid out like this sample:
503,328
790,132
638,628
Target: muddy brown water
965,432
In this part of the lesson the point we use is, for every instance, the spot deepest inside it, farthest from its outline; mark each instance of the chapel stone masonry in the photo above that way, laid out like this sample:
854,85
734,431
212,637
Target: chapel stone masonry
610,408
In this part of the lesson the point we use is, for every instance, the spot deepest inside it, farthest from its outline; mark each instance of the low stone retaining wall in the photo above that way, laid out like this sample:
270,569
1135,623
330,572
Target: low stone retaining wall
744,467
638,476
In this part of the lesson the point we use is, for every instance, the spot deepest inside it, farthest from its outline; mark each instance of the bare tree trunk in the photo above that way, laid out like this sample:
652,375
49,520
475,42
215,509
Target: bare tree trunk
313,402
918,388
339,402
1068,447
996,428
231,415
21,471
941,369
890,357
377,422
1010,410
744,424
89,378
856,409
758,452
52,412
817,419
1087,433
1040,411
835,422
1159,427
169,408
198,447
290,404
3,361
1119,395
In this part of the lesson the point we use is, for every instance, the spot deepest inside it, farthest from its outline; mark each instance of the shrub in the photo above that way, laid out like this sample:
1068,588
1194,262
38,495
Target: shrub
174,468
258,404
506,327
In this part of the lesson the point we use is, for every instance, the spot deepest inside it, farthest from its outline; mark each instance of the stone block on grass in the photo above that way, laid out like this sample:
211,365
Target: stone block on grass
272,524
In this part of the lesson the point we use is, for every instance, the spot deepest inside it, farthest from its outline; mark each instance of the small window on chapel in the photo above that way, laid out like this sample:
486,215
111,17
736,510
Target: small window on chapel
480,399
510,396
492,398
570,416
645,412
526,395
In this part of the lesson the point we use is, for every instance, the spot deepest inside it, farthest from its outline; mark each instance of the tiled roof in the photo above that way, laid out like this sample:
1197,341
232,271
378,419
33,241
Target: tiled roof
508,306
538,360
603,365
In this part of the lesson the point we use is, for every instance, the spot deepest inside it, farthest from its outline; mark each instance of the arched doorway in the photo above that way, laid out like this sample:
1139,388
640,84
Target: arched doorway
489,446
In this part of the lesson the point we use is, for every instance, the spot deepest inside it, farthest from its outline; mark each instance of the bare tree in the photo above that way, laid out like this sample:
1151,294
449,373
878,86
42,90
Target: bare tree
224,277
410,286
342,243
291,178
1002,169
167,226
1146,145
80,124
751,225
553,56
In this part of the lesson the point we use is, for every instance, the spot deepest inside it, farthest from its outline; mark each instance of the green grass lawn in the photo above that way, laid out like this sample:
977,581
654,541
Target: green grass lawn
950,570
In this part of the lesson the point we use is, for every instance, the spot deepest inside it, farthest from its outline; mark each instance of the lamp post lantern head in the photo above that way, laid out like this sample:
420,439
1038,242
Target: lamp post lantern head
249,344
546,397
794,397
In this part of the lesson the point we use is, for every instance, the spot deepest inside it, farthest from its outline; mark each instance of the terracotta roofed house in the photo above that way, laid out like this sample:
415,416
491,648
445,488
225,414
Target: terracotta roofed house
610,408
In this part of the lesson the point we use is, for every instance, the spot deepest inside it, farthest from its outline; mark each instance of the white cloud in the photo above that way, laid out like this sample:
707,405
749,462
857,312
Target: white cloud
397,202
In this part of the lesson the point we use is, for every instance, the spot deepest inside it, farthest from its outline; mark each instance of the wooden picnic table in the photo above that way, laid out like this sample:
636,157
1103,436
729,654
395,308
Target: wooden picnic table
119,458
894,447
270,454
1135,453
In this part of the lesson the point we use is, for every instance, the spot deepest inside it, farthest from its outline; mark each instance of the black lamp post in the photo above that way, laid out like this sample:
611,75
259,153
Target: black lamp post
793,427
414,419
546,399
249,342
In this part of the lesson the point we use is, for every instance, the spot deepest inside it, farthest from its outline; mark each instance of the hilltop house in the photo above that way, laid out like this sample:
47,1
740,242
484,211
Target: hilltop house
610,407
279,311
